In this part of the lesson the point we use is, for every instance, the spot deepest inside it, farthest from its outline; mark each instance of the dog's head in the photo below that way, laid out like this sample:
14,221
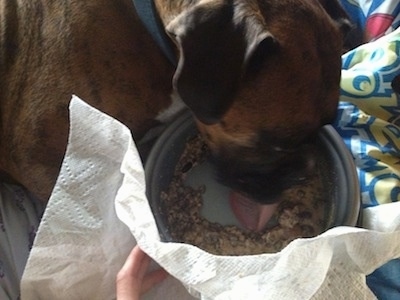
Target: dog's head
261,77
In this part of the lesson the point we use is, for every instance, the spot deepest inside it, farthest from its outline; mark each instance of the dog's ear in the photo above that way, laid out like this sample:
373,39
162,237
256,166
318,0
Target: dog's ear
338,14
213,54
353,36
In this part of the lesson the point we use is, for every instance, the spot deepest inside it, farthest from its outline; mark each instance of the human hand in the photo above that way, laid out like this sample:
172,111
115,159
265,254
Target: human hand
133,279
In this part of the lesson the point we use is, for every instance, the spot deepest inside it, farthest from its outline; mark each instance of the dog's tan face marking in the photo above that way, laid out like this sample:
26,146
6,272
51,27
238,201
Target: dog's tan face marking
261,77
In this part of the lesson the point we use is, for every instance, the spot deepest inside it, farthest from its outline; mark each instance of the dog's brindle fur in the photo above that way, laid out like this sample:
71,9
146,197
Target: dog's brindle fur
261,77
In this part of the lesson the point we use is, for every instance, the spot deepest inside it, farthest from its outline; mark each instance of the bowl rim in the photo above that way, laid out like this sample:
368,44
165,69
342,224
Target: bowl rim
331,138
351,215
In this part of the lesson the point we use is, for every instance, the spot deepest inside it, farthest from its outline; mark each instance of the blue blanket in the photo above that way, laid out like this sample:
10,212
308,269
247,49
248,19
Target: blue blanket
369,116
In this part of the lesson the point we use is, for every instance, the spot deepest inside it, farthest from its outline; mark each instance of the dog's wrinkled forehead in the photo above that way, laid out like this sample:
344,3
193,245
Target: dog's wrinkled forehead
217,41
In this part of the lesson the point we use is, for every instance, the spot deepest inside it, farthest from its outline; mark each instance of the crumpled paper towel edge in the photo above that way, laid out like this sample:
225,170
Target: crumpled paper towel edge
202,281
206,265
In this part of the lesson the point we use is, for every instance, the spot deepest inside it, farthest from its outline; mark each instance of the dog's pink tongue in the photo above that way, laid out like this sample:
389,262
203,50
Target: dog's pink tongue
250,214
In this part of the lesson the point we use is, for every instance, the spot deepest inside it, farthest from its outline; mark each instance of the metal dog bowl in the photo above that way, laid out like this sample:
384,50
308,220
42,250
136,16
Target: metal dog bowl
340,182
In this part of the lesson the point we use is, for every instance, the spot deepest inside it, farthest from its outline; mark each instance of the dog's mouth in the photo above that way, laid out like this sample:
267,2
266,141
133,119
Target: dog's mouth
258,187
256,195
258,179
250,214
264,183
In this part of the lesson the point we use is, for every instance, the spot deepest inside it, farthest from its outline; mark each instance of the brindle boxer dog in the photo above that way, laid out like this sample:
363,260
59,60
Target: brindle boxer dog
260,76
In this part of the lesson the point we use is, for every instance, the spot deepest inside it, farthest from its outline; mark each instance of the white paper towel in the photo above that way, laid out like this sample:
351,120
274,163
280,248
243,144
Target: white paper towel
81,243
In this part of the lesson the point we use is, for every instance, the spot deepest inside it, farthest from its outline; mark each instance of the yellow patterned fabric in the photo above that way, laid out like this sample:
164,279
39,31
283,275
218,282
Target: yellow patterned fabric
369,117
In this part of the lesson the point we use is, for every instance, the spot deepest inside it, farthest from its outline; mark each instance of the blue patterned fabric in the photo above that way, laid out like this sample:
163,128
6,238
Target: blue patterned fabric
384,282
376,17
369,116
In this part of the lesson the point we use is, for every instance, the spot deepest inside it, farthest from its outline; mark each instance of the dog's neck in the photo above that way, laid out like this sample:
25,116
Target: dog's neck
152,20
